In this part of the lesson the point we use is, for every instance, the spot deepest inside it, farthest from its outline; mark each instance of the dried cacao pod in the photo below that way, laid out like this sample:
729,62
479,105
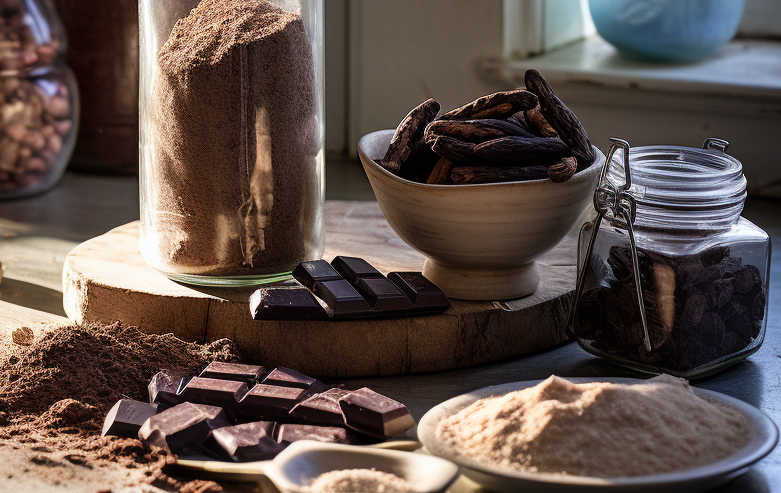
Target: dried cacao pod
563,170
538,124
454,149
408,134
474,130
441,173
522,151
561,118
465,175
496,105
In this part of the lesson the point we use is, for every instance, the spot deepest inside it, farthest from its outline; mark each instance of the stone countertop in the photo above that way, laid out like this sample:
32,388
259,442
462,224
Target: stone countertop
36,233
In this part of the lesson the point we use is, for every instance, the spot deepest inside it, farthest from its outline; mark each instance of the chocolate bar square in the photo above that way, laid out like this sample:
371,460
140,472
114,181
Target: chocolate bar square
422,292
285,377
184,425
321,409
313,271
341,298
354,268
285,304
125,418
247,441
372,413
164,388
289,433
249,374
212,391
383,295
265,401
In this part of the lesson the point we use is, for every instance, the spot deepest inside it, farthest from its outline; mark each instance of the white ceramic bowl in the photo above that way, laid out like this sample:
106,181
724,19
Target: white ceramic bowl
480,241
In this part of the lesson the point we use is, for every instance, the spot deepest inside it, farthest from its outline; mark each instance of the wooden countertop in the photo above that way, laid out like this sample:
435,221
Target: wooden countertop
36,233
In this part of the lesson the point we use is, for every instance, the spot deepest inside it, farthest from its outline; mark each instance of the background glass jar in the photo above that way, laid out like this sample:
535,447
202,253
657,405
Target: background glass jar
39,107
231,110
703,269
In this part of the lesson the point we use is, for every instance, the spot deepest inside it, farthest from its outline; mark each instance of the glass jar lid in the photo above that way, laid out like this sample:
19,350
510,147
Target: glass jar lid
683,188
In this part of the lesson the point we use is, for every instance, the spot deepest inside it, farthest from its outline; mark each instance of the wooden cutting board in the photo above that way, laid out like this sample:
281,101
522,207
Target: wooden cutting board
105,279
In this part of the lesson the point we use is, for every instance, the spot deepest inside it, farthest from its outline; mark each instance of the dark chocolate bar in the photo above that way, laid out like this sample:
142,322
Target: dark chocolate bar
420,290
368,412
125,418
164,388
354,268
342,298
248,441
269,401
383,295
314,271
285,304
321,409
249,374
285,377
183,425
289,433
223,393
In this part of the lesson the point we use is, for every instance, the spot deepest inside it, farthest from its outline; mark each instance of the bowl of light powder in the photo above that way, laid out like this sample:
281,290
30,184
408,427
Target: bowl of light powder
584,434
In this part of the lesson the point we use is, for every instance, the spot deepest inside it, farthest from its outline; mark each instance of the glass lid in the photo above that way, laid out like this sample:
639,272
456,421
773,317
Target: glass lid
683,187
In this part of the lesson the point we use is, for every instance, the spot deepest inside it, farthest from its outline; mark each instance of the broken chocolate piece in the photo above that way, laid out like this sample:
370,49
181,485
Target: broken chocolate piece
248,441
420,290
341,297
211,391
269,401
383,295
374,414
321,409
311,272
164,388
289,433
249,374
285,304
183,425
353,268
125,418
285,377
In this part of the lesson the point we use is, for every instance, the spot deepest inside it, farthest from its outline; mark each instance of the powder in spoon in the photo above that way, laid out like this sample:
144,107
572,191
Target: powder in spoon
597,429
360,480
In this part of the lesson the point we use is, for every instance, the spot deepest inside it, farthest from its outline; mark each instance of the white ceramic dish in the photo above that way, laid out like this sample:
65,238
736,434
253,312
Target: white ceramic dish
763,440
480,240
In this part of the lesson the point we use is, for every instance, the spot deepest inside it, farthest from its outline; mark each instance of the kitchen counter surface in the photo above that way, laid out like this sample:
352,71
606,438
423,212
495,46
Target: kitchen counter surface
36,233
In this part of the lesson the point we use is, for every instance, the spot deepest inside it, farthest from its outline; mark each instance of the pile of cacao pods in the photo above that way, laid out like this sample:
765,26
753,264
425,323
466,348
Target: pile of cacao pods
519,135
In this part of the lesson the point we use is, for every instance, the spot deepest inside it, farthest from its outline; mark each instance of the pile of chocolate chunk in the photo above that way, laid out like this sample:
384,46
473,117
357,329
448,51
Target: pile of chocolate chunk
244,412
700,308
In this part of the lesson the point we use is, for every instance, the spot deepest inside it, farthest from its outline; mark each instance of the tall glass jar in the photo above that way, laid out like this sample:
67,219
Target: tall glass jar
673,280
231,146
39,102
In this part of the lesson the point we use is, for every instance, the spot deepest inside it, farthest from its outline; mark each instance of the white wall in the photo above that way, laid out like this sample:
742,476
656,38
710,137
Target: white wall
404,51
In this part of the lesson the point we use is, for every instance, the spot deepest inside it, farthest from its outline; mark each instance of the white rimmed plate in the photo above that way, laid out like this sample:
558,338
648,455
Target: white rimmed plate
764,436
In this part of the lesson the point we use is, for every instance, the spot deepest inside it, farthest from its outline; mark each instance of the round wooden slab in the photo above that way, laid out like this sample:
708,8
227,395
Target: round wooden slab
105,280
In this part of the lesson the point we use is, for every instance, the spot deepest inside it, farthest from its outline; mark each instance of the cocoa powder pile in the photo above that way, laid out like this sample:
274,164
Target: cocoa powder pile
232,184
55,393
598,429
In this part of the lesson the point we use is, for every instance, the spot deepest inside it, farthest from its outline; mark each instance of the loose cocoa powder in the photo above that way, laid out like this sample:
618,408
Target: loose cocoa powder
55,393
232,181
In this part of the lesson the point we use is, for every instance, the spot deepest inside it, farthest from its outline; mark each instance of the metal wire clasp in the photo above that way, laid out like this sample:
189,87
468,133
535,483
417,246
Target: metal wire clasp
620,203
